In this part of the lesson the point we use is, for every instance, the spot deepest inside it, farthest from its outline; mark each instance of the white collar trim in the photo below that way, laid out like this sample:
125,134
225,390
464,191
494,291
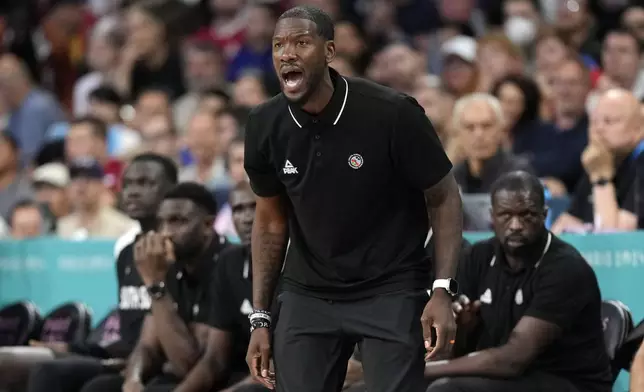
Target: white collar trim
344,102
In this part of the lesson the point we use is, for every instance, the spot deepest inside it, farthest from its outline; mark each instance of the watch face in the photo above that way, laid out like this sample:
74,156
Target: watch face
453,286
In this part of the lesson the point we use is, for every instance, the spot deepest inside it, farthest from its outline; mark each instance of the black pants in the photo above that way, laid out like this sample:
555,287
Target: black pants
314,338
533,382
64,374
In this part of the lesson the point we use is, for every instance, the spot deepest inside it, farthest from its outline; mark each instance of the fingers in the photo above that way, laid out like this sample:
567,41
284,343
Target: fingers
476,305
255,367
169,250
427,332
462,299
457,307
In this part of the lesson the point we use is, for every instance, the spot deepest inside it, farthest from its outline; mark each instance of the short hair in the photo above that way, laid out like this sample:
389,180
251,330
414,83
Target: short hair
106,94
196,193
520,181
98,127
625,32
463,103
217,92
322,20
169,168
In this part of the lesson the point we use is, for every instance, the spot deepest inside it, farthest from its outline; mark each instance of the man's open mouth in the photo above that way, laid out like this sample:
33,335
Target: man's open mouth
292,78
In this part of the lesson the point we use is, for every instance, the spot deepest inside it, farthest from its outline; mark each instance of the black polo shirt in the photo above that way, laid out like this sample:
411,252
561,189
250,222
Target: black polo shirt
232,293
581,205
559,288
353,177
191,291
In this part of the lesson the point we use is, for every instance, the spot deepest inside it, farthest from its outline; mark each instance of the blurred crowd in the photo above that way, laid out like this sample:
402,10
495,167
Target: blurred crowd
87,84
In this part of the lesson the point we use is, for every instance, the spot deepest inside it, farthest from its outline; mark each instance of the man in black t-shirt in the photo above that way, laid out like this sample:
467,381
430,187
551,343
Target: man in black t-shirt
530,313
346,173
233,290
144,183
177,349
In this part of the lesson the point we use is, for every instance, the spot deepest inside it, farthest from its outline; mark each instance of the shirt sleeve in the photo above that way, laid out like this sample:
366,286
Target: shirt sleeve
563,289
417,152
221,316
262,174
577,203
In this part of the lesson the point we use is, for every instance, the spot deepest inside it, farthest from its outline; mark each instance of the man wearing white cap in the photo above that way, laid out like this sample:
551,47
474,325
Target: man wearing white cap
50,183
459,73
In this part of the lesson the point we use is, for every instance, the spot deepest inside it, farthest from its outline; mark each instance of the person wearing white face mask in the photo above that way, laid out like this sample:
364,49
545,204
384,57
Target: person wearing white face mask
521,23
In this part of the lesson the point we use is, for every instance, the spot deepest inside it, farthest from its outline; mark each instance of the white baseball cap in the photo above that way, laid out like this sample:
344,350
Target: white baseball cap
54,174
461,46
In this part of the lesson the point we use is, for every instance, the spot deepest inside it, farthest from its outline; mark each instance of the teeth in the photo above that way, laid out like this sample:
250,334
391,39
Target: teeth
291,83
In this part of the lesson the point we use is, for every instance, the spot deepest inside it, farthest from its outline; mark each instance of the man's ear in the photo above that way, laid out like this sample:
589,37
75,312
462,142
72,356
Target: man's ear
330,51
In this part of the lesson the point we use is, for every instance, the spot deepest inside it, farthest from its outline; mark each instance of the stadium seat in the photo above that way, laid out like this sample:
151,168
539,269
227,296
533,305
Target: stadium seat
617,322
107,331
69,322
19,322
626,353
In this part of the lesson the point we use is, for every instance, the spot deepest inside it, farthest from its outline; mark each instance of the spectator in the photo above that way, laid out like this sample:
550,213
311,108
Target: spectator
192,353
576,24
104,104
633,20
151,102
235,165
521,102
350,46
256,52
90,217
343,65
521,22
203,141
87,138
105,44
214,100
32,109
14,184
478,120
460,73
203,70
248,91
149,58
229,124
532,330
26,220
159,137
438,105
555,153
604,198
227,27
51,182
621,59
496,58
397,66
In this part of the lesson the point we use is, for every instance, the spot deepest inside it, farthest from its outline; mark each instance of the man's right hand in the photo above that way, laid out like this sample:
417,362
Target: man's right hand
467,312
258,358
132,385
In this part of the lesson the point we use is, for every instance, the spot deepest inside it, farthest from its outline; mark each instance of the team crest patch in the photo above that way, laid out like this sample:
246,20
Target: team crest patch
356,161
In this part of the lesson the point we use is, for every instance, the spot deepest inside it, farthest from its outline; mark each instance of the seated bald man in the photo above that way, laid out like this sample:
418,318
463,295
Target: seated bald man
604,199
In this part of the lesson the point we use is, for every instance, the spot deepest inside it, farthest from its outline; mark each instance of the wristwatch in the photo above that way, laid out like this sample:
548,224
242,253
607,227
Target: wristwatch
156,290
450,285
601,181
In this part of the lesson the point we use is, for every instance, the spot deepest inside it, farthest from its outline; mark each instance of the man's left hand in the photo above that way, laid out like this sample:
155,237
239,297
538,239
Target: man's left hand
57,347
438,314
153,254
